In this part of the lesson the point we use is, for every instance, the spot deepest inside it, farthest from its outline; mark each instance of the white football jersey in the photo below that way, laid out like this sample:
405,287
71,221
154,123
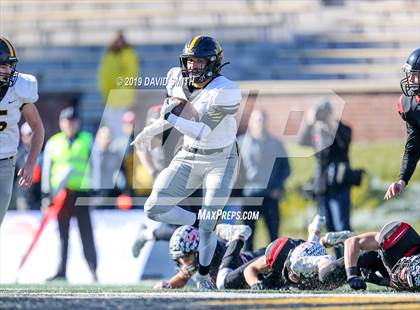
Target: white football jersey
220,99
24,91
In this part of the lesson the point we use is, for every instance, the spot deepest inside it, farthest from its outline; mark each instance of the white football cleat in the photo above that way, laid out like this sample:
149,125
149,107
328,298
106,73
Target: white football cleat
337,238
204,282
140,241
317,224
230,232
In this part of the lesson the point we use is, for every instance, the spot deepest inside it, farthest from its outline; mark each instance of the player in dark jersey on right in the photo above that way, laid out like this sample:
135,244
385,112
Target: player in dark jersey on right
398,245
289,263
409,109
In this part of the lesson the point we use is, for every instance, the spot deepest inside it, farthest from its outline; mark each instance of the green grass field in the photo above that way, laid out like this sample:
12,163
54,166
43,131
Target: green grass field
143,287
62,296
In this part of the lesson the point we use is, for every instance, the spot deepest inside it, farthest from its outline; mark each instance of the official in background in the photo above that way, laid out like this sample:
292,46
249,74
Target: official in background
66,168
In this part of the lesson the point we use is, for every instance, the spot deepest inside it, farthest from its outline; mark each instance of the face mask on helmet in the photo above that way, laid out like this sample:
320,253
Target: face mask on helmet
188,264
8,74
199,74
412,273
197,69
410,85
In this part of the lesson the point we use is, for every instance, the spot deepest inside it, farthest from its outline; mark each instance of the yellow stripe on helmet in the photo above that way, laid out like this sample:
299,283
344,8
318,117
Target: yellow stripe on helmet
219,48
193,42
11,49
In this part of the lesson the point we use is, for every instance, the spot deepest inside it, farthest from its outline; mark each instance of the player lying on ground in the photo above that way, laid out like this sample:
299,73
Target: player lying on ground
290,263
398,245
183,248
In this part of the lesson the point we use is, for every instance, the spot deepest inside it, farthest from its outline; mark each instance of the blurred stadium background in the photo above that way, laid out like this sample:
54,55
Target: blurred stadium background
288,51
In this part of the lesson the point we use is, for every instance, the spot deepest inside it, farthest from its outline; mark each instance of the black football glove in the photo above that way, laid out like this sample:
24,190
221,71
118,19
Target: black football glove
357,283
353,279
257,286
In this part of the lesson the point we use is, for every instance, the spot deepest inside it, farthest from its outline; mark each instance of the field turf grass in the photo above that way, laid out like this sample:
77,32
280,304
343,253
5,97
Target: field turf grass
64,296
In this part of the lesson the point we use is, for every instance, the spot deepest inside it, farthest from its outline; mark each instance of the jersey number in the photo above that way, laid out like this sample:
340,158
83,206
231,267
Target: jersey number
3,124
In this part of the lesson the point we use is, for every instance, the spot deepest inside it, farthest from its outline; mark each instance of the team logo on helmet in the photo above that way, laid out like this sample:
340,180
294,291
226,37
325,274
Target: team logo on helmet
307,249
184,241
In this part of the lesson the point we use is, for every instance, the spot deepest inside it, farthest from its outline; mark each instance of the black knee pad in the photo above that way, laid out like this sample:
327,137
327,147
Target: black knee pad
232,259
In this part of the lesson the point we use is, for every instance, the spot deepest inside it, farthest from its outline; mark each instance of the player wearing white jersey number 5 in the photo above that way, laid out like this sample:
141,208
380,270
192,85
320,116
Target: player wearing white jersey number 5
209,155
18,92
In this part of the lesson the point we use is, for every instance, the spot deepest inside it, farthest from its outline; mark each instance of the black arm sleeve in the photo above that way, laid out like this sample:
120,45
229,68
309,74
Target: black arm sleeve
411,152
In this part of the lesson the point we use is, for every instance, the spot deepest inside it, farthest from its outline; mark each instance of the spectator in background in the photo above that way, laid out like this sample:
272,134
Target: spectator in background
106,163
66,169
119,64
121,144
266,169
333,177
28,198
153,160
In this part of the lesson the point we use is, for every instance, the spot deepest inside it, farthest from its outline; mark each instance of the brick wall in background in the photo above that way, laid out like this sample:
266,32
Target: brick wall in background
373,117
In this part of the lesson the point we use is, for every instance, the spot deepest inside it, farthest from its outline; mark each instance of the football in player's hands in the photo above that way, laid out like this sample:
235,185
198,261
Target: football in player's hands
181,104
185,109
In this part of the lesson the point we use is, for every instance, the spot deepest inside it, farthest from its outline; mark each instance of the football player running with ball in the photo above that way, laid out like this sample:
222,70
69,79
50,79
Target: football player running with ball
18,93
209,156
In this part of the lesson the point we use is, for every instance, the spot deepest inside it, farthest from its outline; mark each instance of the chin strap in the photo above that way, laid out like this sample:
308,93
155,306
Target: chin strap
226,63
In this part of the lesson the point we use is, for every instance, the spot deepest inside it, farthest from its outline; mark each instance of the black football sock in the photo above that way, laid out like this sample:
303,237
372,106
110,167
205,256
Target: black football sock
203,270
